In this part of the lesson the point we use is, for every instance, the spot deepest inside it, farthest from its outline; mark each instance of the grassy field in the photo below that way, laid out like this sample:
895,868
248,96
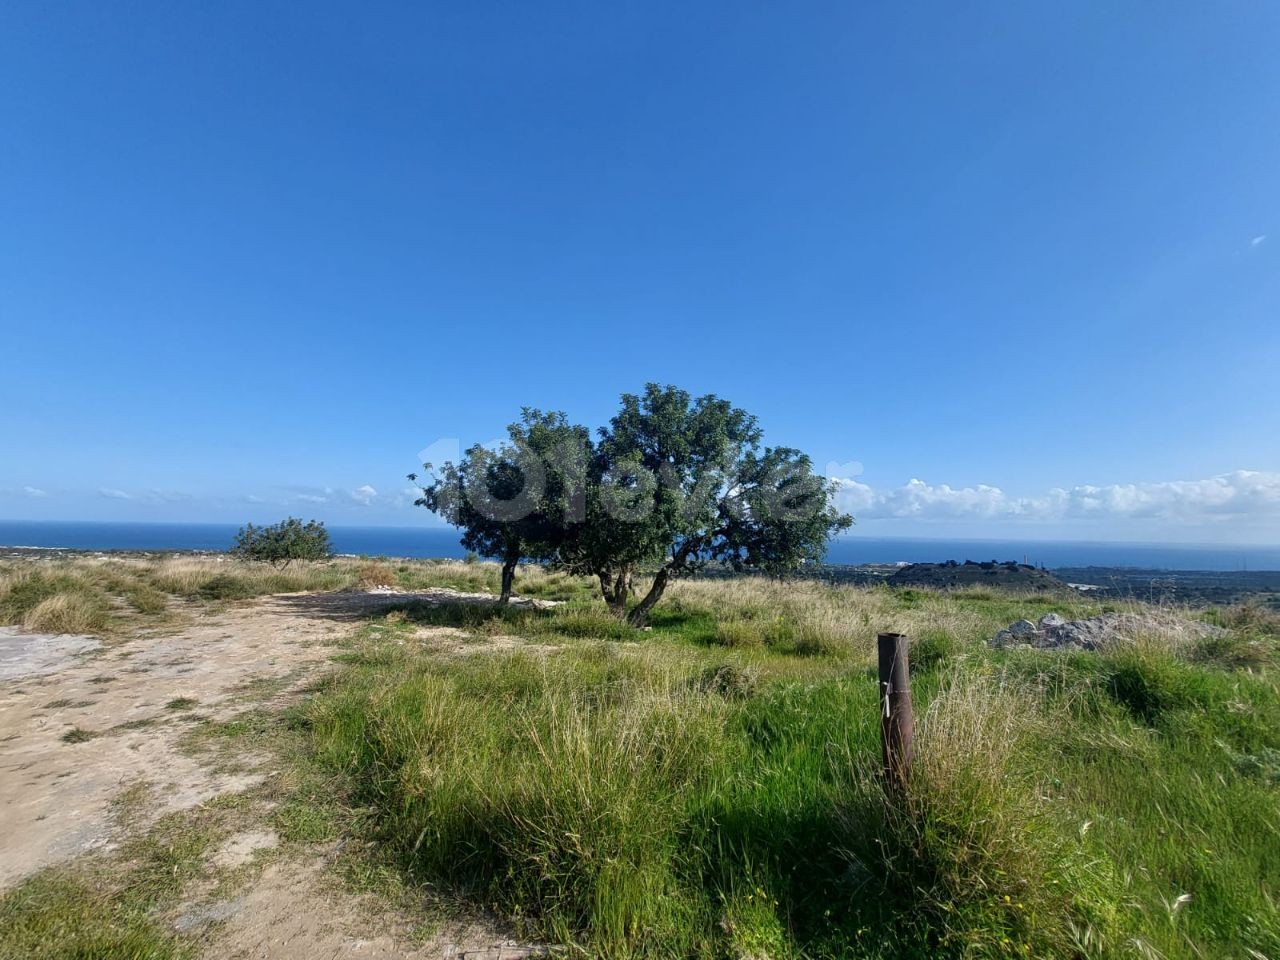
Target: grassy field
111,596
709,787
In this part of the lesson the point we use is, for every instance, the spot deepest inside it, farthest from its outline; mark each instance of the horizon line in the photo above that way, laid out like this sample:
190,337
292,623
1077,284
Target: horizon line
444,528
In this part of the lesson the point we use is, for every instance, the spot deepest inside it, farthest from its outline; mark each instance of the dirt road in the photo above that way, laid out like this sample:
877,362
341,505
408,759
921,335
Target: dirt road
81,724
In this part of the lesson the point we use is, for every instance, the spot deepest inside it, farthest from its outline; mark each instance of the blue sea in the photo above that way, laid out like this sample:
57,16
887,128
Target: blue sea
438,542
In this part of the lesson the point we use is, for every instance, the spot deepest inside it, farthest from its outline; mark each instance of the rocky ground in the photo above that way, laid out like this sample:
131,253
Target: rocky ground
1054,632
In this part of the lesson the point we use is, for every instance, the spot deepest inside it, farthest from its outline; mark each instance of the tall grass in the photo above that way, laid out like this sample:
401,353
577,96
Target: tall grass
617,799
710,788
59,601
974,842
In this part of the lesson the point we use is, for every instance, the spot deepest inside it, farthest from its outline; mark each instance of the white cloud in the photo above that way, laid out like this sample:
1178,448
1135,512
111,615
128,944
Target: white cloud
311,498
365,494
1258,240
33,492
1244,494
149,496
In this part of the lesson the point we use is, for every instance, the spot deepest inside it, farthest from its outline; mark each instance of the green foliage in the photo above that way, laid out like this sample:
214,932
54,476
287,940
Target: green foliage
671,484
678,482
282,543
515,503
933,648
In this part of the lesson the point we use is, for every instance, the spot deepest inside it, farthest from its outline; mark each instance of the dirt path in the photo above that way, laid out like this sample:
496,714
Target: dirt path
81,726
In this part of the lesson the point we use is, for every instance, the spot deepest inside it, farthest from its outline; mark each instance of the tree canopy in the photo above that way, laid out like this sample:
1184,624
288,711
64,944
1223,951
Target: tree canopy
279,544
671,484
510,503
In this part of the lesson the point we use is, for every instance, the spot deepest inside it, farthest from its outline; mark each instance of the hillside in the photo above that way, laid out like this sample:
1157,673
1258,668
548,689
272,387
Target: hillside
288,763
1009,576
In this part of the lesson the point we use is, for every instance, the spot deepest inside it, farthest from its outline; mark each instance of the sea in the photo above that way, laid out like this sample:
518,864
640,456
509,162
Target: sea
443,542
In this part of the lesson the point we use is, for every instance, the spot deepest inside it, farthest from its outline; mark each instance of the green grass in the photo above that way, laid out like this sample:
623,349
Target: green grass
58,916
107,910
709,788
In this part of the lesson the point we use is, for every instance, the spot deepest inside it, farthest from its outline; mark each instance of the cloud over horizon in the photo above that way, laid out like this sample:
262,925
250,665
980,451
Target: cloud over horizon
1241,504
1242,494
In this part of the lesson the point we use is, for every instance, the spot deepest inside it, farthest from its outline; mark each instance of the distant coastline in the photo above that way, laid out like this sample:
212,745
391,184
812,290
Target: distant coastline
442,542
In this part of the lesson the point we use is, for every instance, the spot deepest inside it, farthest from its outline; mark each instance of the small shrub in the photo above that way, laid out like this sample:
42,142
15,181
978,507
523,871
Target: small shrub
226,586
1233,651
146,599
282,543
1264,766
591,623
1248,618
817,637
61,599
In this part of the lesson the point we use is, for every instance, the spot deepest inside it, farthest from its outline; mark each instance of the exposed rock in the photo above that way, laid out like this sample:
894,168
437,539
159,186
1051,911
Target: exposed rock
39,654
206,915
1053,632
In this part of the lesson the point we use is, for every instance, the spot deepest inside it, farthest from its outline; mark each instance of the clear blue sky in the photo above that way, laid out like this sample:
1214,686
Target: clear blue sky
1012,269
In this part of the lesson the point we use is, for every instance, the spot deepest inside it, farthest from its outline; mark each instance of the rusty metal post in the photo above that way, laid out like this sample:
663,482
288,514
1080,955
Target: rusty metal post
896,720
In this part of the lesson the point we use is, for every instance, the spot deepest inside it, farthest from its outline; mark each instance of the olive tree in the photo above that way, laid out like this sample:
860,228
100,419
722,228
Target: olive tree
674,483
512,504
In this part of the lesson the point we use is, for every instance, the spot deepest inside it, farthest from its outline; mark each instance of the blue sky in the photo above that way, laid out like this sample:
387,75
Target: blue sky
1009,269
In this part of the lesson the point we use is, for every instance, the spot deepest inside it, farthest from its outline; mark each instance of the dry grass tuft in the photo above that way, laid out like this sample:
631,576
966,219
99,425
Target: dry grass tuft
67,613
375,574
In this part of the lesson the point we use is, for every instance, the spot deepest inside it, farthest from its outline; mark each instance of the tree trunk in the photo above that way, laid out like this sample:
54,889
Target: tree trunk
508,576
639,616
615,590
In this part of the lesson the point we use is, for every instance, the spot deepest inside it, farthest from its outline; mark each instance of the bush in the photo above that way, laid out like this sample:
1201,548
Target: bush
282,543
